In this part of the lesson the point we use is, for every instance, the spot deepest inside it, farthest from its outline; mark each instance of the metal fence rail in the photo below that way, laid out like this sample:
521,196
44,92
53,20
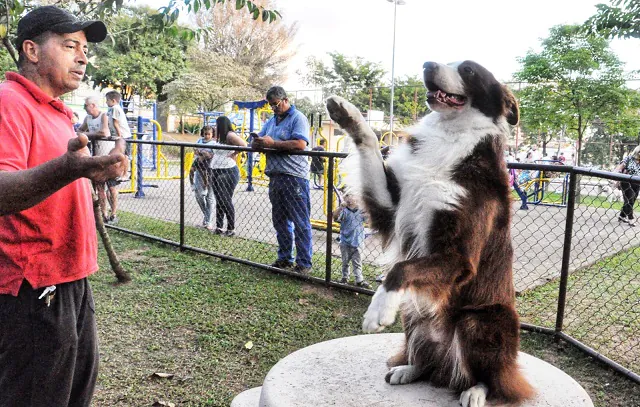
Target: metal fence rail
575,266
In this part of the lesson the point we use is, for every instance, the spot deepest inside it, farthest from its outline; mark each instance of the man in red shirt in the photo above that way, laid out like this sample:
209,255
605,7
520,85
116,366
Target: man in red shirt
48,244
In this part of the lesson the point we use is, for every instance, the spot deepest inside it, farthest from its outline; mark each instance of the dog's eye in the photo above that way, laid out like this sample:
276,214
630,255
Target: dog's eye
468,70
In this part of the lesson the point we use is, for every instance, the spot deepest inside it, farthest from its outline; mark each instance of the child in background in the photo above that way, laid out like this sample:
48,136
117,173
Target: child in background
351,220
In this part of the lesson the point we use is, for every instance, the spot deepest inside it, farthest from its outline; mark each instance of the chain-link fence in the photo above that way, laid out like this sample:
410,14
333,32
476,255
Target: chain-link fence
575,264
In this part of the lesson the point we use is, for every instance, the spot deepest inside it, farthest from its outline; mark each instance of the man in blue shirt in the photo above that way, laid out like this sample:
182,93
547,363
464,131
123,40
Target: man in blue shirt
288,130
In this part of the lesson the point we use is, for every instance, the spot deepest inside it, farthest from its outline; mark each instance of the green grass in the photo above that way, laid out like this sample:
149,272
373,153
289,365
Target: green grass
602,307
246,249
191,315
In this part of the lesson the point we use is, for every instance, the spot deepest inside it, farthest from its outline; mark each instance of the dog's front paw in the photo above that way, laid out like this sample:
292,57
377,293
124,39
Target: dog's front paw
402,374
345,114
476,396
382,310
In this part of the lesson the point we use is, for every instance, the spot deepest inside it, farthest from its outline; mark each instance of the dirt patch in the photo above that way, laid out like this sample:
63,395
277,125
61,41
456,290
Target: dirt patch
323,292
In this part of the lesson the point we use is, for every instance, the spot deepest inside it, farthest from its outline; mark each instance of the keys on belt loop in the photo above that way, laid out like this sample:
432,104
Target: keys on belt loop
48,294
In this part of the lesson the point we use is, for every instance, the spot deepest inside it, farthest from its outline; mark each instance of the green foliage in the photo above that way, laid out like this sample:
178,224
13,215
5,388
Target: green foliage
573,80
621,19
360,82
142,63
351,78
163,22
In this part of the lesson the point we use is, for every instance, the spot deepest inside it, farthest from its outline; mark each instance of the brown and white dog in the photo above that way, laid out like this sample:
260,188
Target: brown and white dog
441,204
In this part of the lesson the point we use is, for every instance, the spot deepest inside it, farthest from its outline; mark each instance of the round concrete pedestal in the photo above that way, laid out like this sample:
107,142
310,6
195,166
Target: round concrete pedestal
350,372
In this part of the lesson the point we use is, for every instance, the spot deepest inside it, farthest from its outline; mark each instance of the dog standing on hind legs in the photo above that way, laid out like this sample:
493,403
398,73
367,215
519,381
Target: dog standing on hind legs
441,205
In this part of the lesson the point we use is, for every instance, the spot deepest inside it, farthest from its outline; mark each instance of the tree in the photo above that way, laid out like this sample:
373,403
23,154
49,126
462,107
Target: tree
352,78
540,118
621,19
260,46
140,64
164,21
578,75
211,81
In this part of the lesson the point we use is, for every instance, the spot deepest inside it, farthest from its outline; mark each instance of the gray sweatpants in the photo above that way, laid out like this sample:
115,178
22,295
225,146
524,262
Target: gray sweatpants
351,255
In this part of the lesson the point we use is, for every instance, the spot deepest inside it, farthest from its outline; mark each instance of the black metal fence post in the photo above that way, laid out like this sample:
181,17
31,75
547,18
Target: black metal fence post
329,219
182,198
566,252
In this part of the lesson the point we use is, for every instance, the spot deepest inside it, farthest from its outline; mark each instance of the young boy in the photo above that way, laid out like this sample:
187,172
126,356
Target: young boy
118,125
351,220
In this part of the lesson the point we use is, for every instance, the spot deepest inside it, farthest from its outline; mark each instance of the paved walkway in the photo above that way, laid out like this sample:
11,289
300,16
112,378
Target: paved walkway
538,234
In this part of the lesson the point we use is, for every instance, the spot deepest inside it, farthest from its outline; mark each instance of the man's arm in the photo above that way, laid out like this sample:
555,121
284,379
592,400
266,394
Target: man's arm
83,127
26,188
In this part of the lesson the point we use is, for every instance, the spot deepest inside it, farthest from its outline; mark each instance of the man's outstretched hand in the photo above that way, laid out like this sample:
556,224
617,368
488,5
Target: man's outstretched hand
98,169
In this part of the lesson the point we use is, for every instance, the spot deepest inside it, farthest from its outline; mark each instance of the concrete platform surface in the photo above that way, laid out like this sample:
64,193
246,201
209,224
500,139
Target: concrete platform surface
248,398
350,372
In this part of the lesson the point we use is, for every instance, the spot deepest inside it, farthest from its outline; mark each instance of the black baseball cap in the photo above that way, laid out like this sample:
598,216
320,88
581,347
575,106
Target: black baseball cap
57,20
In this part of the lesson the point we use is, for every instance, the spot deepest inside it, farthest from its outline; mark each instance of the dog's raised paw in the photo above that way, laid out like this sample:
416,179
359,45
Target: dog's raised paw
476,396
382,310
343,112
402,374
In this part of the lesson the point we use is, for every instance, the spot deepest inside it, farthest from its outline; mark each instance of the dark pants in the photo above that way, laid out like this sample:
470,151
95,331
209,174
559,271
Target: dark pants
291,212
630,194
224,182
48,355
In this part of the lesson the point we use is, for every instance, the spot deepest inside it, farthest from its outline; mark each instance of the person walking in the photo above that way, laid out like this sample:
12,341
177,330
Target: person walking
225,176
48,243
630,165
288,131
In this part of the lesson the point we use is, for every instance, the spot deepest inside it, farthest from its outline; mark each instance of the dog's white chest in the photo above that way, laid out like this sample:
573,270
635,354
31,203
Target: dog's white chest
426,187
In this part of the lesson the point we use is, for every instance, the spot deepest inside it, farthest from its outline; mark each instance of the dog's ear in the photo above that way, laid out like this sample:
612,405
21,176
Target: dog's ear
511,109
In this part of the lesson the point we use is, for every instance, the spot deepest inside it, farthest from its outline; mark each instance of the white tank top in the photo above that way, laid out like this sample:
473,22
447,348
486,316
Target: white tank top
101,147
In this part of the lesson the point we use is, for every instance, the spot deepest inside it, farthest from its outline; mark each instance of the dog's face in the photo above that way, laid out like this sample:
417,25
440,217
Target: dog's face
459,86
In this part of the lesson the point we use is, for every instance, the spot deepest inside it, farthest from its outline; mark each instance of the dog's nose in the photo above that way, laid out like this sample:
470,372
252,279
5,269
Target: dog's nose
429,66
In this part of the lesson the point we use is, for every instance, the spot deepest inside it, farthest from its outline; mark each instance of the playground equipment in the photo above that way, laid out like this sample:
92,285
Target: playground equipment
252,107
537,186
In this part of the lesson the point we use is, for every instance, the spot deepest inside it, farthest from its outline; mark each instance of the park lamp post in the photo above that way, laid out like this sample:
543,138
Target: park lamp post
396,3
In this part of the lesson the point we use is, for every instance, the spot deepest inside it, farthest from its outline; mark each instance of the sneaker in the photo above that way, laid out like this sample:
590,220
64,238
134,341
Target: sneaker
230,232
632,222
217,231
524,208
363,284
622,219
302,270
344,280
380,278
113,220
210,228
282,264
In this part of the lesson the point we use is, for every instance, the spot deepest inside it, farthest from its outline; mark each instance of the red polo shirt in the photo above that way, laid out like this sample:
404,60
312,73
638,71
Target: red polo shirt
55,241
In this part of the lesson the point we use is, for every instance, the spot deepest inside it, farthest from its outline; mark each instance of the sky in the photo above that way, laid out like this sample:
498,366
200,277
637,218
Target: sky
493,33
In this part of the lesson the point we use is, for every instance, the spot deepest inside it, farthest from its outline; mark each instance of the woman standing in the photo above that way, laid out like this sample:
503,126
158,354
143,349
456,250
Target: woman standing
630,165
226,175
202,185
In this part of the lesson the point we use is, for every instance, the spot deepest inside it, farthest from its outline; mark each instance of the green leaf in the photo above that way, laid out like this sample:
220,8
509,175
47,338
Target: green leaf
265,15
256,13
196,5
240,4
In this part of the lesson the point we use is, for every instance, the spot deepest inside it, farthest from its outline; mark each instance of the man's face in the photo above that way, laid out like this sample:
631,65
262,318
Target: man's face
61,62
279,106
91,109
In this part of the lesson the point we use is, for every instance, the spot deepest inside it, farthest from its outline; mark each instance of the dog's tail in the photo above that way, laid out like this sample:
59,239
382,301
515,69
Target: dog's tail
512,387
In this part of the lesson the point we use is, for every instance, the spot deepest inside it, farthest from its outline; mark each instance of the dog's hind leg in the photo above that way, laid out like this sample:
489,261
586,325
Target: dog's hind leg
379,185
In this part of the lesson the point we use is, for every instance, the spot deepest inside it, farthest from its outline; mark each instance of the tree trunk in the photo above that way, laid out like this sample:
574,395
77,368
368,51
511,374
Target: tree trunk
121,274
